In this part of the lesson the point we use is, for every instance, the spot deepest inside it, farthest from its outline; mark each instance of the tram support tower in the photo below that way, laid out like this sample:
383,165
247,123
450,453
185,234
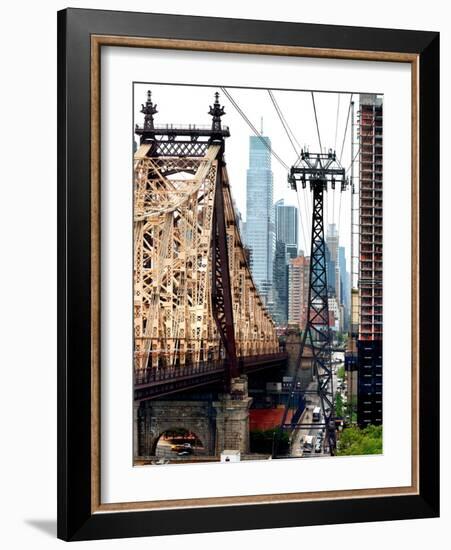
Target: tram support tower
322,171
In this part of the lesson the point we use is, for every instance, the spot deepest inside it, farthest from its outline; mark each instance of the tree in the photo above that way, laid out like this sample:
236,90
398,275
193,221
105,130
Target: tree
351,409
358,441
339,406
341,338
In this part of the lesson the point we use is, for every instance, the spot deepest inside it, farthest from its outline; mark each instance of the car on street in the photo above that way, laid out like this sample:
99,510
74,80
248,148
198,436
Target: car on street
316,415
185,452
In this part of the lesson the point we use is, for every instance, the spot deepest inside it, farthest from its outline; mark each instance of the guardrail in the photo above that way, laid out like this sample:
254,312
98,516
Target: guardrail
175,127
154,376
164,374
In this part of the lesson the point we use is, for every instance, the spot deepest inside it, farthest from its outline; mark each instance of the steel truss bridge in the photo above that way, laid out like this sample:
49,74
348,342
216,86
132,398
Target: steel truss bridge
198,317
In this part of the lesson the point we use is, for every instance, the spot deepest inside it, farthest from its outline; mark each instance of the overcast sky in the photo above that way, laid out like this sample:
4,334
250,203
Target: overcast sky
190,105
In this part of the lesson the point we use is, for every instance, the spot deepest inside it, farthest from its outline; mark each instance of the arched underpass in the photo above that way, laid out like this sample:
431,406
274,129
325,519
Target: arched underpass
178,444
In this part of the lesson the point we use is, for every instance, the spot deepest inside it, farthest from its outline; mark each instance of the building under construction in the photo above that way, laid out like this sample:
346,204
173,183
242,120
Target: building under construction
369,342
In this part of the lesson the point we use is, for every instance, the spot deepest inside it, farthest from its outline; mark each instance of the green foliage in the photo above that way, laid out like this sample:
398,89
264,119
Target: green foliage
339,405
351,409
357,441
341,338
263,441
341,373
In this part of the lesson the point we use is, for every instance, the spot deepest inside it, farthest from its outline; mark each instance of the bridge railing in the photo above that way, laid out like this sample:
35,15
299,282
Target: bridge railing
153,375
158,375
179,128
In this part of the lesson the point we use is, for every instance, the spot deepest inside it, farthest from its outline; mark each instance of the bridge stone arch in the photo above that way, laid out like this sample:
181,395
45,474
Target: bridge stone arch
157,417
174,428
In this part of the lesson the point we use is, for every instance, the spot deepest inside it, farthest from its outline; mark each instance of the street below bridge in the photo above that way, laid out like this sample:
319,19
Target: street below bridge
313,400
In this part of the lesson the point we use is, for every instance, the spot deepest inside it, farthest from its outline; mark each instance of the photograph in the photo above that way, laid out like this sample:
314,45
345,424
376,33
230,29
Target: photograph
257,273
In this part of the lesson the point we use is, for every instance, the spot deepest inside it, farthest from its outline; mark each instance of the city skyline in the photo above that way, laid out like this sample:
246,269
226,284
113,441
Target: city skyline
172,101
279,267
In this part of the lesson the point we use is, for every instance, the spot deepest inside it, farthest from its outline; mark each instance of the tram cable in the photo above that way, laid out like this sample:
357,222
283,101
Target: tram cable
252,127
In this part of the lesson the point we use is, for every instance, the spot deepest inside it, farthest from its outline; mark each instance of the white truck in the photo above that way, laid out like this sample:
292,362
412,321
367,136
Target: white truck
316,415
307,447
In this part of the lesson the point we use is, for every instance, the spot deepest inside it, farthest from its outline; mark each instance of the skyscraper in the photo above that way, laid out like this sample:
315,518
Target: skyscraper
286,229
330,271
369,406
298,287
332,245
292,251
345,291
286,223
260,233
280,284
332,241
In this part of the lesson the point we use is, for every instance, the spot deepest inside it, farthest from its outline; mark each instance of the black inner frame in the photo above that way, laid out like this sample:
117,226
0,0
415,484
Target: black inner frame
75,521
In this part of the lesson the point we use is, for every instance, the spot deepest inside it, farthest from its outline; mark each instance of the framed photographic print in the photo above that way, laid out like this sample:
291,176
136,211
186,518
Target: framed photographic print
248,274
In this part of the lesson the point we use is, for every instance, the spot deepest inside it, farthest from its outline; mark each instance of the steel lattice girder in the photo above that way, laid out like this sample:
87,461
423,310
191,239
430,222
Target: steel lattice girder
316,333
320,170
318,330
173,228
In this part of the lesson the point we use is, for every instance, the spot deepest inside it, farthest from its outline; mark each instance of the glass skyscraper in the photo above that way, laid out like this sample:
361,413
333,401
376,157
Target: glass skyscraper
286,229
260,233
330,268
286,218
332,245
280,284
345,290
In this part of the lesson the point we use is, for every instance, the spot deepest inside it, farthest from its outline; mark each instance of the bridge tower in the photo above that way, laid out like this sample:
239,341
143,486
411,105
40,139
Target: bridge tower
166,155
322,171
221,286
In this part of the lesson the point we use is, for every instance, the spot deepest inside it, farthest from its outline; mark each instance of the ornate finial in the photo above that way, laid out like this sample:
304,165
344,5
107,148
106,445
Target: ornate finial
149,109
216,112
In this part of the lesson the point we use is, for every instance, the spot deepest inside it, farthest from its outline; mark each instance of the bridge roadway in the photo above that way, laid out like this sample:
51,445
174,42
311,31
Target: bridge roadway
153,383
